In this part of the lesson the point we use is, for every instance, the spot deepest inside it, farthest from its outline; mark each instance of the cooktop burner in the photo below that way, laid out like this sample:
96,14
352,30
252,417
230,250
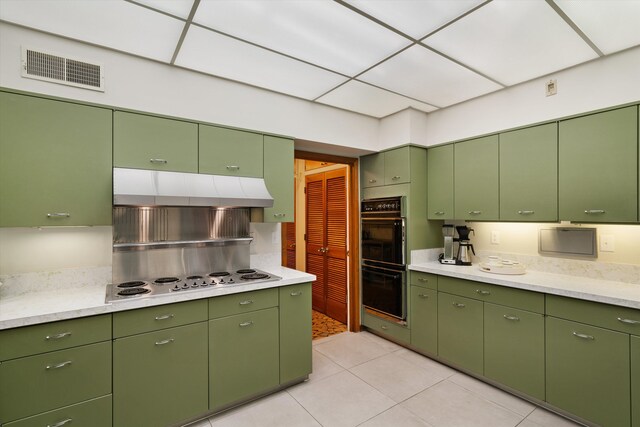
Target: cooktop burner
188,283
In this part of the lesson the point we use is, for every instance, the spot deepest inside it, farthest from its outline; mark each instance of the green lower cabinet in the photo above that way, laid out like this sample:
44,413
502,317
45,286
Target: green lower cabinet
635,381
160,378
35,384
424,319
295,332
460,331
388,328
94,413
514,348
243,356
587,372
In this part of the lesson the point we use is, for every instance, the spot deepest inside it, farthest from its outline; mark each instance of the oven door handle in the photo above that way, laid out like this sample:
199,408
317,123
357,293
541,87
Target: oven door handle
381,218
387,272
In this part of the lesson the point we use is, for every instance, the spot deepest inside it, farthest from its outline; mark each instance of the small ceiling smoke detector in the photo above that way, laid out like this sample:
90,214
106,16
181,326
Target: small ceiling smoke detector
552,87
58,69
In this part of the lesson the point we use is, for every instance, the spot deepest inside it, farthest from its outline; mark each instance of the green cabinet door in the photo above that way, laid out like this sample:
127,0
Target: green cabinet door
147,142
460,331
396,166
476,179
372,170
635,381
295,332
243,356
278,176
160,378
588,372
230,152
598,167
440,182
514,348
94,413
424,319
55,163
529,174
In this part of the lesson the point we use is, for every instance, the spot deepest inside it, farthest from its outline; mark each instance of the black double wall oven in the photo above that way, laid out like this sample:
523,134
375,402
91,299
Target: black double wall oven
383,253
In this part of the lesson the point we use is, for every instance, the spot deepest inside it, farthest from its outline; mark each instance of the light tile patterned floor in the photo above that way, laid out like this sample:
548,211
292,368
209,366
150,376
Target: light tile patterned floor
360,379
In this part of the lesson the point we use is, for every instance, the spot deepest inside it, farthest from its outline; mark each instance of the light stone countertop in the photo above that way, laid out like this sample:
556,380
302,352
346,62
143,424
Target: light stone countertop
604,291
60,304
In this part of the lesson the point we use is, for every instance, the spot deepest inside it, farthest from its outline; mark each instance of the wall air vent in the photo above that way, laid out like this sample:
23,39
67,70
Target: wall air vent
58,69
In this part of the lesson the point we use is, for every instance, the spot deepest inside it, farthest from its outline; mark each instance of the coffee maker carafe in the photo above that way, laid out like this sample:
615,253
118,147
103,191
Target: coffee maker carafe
464,245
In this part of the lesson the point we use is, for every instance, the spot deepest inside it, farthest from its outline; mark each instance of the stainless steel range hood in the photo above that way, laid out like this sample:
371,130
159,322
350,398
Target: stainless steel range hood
138,187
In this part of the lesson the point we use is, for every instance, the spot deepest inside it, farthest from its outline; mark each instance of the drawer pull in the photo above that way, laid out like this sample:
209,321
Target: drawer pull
163,161
514,318
395,178
233,167
164,317
163,342
475,212
246,302
58,215
438,213
423,296
458,305
629,321
384,327
526,212
422,279
279,215
245,324
60,423
371,181
59,365
295,294
583,336
58,336
594,211
481,292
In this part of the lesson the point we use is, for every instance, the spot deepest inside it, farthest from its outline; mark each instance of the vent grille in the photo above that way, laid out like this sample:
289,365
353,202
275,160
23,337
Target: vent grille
58,69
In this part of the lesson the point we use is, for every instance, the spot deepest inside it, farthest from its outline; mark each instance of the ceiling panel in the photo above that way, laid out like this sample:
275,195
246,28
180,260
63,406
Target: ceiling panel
180,8
419,73
213,53
322,32
611,25
370,100
415,18
513,41
115,24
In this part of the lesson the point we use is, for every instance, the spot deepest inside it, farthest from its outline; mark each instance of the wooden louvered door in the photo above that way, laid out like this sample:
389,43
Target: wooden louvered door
289,247
326,232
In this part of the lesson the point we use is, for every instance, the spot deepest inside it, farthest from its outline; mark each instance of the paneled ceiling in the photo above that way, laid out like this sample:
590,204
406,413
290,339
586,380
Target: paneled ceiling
374,57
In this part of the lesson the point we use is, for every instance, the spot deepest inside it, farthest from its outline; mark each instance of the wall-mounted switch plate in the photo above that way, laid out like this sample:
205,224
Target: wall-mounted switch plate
551,87
495,237
607,243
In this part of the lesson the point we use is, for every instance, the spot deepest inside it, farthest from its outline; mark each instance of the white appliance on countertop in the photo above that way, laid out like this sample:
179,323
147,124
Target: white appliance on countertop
496,265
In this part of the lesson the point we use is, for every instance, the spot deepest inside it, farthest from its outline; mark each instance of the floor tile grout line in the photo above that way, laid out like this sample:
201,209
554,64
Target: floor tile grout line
303,407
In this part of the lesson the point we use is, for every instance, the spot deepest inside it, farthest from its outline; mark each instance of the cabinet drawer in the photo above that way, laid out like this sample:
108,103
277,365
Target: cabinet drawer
517,298
160,317
393,330
35,384
243,302
94,413
30,340
426,280
613,317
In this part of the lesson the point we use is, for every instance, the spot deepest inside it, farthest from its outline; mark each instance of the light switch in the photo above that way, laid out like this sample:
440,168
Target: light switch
495,237
607,243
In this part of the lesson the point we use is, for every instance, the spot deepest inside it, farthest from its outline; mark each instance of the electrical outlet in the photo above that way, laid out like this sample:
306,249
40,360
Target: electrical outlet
551,87
495,237
607,243
275,238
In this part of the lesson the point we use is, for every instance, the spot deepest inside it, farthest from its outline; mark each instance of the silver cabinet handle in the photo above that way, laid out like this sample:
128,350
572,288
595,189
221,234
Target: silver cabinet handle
458,305
245,324
438,213
475,212
164,317
58,215
629,321
423,296
163,342
482,292
57,336
59,365
233,167
514,318
60,423
371,181
279,215
162,161
594,211
395,177
246,302
583,336
295,294
526,212
384,327
422,279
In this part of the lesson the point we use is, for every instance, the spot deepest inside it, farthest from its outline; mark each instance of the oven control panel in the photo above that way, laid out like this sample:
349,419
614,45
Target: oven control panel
390,205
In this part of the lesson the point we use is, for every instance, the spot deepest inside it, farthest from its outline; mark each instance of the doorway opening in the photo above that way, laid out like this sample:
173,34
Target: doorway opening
323,240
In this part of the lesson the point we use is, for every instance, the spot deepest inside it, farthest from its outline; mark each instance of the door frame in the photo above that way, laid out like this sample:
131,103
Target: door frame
353,230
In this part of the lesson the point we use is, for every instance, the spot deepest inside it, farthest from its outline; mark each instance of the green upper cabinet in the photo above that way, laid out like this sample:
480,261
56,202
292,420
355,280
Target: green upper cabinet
396,166
147,142
278,176
635,381
372,170
230,152
598,167
529,174
476,179
55,163
440,182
